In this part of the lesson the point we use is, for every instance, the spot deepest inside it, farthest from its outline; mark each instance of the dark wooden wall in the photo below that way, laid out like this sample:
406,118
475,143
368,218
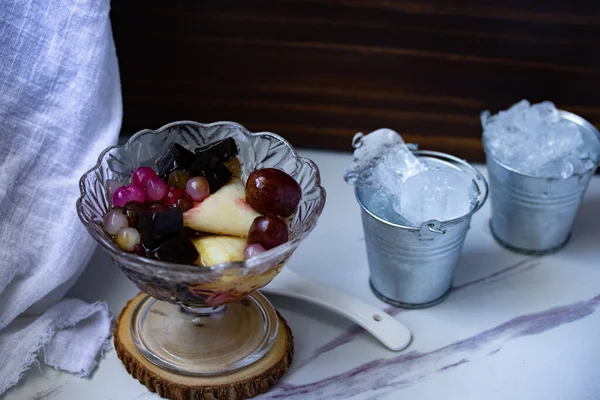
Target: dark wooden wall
318,71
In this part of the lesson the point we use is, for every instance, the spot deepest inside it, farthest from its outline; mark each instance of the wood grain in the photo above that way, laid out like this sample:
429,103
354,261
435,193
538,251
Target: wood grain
317,72
241,384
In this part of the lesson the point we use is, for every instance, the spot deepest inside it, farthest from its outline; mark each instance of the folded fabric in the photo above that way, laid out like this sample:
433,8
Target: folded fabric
70,336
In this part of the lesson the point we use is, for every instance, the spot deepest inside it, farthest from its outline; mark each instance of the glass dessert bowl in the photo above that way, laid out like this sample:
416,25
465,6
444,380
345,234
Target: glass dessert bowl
202,320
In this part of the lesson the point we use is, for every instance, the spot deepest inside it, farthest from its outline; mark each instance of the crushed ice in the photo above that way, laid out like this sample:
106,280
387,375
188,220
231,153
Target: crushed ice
534,140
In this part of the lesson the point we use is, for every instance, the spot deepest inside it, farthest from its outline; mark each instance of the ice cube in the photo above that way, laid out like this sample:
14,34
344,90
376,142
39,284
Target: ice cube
381,159
441,193
381,203
535,140
395,185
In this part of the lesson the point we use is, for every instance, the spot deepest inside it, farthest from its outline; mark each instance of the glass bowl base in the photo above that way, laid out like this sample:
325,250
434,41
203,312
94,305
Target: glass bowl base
204,341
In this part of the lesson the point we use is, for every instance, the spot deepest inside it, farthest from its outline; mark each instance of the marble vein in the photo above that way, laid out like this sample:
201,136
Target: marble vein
411,367
349,334
47,394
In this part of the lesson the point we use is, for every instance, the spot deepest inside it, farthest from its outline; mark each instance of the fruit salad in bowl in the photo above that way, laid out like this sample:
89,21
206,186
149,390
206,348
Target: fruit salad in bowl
200,216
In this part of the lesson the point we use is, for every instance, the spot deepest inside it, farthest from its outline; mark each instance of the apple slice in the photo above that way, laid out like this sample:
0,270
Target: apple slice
224,212
215,250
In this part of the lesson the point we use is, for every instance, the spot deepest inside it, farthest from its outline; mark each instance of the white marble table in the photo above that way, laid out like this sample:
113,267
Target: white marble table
515,327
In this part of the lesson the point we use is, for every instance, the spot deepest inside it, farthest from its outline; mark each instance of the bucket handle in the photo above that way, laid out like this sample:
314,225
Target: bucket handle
356,140
429,229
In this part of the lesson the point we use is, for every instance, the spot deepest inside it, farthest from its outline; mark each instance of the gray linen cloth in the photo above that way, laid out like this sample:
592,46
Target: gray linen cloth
60,106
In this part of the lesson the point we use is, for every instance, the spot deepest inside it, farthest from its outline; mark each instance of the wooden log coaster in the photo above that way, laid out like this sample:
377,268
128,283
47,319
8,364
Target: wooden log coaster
244,383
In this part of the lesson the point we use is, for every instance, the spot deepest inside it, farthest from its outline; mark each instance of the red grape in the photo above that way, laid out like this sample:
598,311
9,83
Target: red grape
173,194
269,231
139,250
128,194
141,175
198,188
155,189
272,191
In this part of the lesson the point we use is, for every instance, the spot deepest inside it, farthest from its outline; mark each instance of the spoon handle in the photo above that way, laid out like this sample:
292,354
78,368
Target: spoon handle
384,327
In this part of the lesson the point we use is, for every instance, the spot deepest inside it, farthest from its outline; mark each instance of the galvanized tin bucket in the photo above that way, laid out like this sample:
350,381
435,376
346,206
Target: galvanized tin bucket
535,215
413,267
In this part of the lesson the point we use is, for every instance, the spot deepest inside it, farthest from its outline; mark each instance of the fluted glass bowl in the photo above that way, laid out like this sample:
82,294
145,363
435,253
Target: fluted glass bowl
201,291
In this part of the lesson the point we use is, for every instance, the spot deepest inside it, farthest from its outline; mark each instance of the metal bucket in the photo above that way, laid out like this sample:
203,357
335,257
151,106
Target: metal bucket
535,215
413,267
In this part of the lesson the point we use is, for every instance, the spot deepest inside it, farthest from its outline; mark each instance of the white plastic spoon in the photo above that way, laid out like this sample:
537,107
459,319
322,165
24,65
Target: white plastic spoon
383,326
